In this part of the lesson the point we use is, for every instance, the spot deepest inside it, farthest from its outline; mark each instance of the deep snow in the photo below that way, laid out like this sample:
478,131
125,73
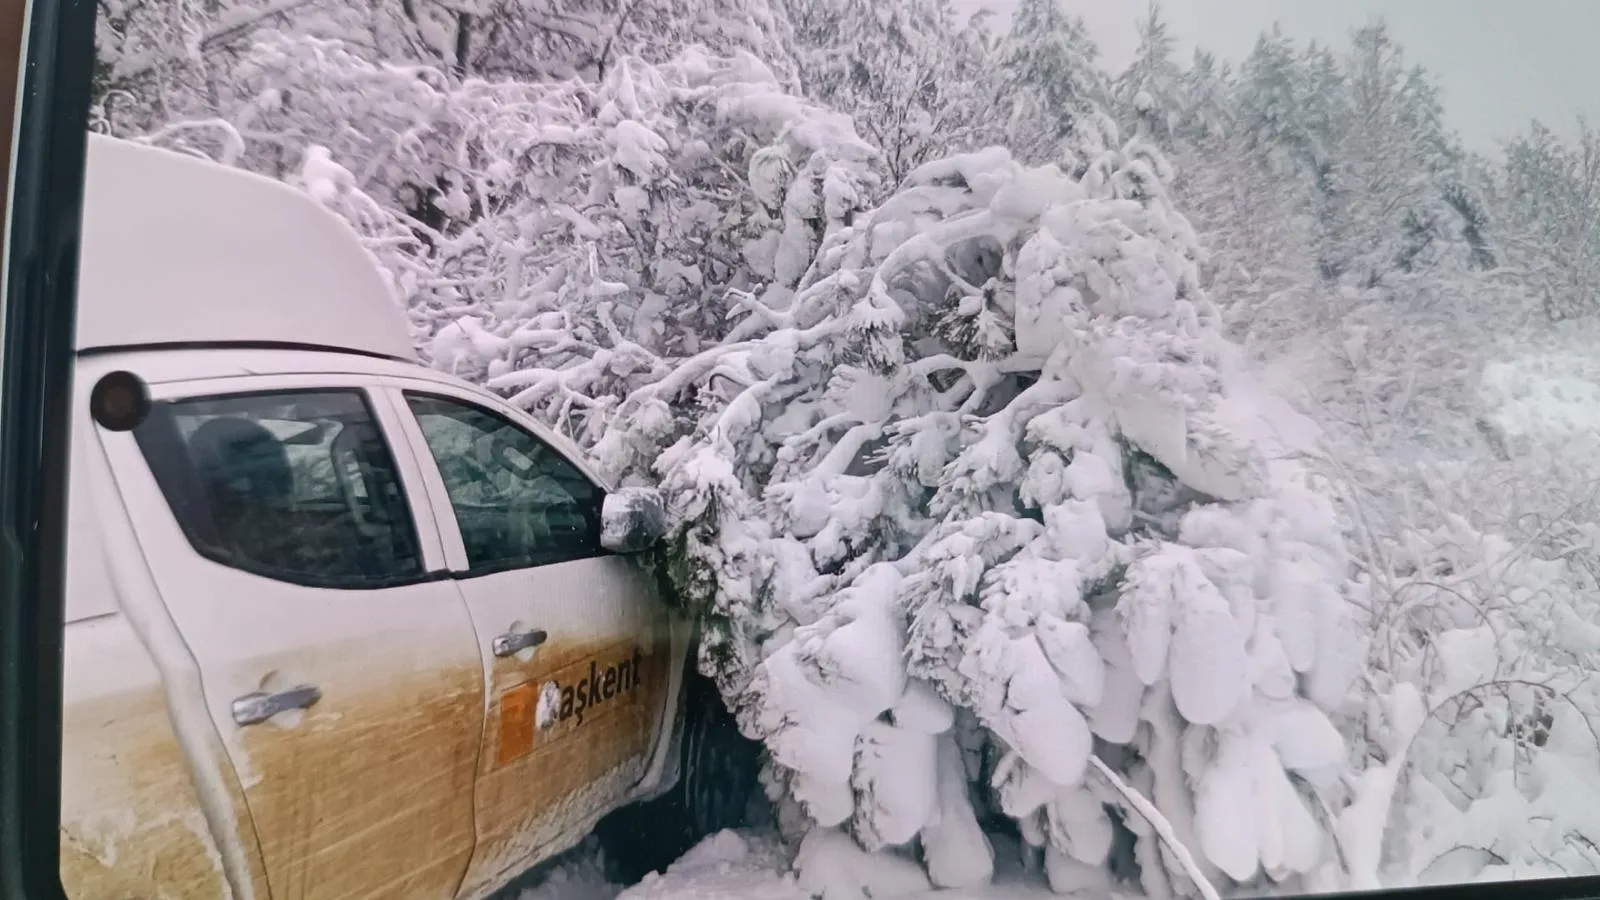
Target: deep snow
741,865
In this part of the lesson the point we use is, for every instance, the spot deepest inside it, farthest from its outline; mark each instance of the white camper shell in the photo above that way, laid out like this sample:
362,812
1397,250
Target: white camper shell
339,625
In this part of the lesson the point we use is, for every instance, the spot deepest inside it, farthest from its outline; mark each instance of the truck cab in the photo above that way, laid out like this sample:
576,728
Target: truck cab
338,625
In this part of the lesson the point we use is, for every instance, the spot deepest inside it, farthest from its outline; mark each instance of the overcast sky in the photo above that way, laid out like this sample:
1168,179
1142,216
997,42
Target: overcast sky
1501,62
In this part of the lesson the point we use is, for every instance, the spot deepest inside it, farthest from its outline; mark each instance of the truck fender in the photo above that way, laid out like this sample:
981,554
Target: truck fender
139,599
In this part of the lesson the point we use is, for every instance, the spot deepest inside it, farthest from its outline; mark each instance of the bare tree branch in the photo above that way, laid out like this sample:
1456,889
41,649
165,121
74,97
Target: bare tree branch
217,36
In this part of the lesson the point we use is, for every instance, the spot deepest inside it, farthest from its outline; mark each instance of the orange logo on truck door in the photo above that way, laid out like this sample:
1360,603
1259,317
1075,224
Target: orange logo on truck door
516,724
540,781
580,693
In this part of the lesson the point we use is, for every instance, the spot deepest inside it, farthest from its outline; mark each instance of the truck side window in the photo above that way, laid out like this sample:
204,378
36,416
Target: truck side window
296,486
518,502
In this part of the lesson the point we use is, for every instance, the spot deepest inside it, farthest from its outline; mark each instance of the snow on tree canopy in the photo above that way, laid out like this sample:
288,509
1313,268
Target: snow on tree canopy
987,494
561,242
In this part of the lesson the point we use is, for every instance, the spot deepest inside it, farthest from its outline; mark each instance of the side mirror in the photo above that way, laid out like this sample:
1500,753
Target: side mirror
632,520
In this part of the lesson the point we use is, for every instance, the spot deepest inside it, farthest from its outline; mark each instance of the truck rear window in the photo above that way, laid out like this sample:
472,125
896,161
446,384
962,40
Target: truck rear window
298,486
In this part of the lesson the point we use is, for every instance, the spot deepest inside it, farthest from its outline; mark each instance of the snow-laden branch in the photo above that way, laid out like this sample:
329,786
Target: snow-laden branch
1163,828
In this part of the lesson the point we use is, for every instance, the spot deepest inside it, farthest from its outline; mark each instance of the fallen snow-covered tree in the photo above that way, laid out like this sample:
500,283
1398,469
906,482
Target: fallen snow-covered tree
987,496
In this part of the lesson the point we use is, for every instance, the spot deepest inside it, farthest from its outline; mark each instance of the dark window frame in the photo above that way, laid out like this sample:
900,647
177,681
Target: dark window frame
164,461
498,567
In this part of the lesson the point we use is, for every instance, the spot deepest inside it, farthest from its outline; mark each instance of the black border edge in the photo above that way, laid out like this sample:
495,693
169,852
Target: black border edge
47,185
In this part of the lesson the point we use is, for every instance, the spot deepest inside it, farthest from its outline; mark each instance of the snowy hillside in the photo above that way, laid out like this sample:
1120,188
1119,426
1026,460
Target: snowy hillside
1165,482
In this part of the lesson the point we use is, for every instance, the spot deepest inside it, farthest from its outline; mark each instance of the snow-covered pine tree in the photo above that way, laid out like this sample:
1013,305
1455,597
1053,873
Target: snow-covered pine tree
1549,209
1382,194
1254,211
991,504
1150,92
1205,91
1051,89
1275,107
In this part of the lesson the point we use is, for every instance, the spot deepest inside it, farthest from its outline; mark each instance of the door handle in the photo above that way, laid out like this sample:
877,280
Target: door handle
513,642
253,709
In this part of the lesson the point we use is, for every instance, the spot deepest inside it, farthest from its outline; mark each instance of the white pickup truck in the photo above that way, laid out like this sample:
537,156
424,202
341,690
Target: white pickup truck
338,625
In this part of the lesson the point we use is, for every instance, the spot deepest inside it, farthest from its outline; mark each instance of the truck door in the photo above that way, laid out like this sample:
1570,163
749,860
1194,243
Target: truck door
339,663
575,643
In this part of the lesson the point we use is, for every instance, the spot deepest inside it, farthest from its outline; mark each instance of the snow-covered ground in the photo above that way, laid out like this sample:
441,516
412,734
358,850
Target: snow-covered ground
739,865
1552,395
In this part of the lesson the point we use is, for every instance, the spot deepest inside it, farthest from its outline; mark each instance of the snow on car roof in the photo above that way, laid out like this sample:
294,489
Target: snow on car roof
180,250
